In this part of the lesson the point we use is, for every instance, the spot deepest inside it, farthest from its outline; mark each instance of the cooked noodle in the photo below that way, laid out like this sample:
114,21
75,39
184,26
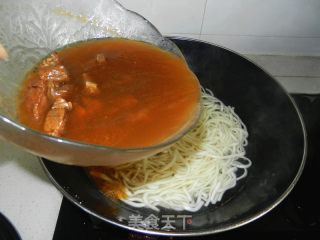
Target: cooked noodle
195,171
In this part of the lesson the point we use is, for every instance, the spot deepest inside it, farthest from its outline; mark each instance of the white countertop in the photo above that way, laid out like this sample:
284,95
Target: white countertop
27,198
32,203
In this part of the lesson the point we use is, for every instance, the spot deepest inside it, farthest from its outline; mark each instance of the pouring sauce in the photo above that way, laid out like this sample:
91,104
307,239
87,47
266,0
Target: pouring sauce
119,93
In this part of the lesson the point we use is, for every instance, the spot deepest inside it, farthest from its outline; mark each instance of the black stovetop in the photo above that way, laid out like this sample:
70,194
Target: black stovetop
296,216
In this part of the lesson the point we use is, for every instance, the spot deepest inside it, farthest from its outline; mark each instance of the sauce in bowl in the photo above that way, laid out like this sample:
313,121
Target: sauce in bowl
119,93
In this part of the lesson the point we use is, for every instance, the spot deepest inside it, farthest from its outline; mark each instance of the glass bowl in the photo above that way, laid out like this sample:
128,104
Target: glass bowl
29,30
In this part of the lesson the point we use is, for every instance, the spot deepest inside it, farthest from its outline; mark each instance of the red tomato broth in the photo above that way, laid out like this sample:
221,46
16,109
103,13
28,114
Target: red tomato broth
145,94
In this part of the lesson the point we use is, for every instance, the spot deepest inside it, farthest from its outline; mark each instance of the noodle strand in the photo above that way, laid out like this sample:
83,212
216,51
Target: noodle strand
197,170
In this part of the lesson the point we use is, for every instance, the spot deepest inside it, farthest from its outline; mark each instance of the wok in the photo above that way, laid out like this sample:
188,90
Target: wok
277,148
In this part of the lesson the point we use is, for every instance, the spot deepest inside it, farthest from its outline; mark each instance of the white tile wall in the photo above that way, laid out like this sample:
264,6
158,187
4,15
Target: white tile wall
283,27
175,16
299,74
282,36
300,84
295,18
294,66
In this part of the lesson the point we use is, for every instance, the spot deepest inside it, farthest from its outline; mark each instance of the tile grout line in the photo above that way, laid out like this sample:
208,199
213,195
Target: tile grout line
281,55
252,35
296,76
204,13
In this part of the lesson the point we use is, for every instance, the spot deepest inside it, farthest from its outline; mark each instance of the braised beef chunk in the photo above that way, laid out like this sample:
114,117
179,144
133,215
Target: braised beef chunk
55,76
56,118
90,87
101,58
36,99
52,71
55,122
62,103
52,87
55,73
45,97
63,90
52,60
58,89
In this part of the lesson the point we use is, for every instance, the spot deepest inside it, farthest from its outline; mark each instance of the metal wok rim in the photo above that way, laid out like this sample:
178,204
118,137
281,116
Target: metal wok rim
213,231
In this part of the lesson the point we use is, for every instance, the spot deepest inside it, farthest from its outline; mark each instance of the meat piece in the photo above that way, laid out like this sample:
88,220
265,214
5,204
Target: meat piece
54,76
56,118
36,99
62,103
55,73
58,90
63,90
90,87
52,87
100,58
55,122
45,96
51,61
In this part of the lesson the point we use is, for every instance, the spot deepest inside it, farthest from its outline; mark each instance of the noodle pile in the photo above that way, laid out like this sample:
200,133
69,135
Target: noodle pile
195,171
